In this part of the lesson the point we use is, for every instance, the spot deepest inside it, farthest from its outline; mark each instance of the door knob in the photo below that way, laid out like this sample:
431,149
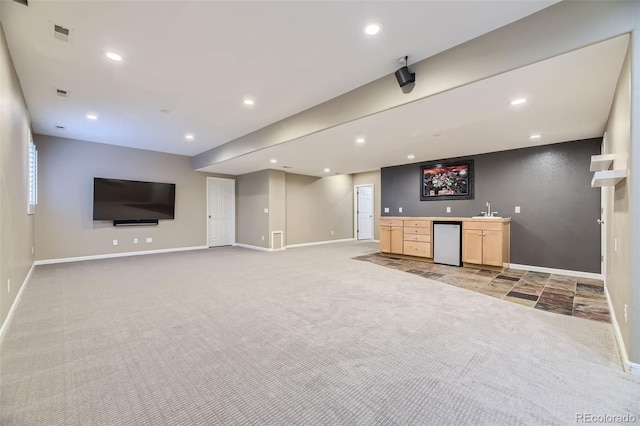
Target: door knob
600,221
209,216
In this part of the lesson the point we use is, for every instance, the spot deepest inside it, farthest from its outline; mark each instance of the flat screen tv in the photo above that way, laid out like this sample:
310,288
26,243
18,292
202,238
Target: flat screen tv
132,201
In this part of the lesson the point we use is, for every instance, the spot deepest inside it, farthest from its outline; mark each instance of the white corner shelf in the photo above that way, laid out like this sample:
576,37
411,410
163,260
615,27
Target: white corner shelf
607,178
601,162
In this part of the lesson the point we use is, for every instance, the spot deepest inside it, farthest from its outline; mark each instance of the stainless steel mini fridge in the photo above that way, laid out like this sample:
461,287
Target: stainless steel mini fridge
447,243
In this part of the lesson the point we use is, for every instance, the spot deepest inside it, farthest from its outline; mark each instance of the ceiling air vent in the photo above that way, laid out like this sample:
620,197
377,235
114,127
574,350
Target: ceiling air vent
62,93
24,2
60,33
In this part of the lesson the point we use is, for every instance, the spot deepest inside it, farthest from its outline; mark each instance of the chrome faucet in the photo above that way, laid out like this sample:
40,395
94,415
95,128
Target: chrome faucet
488,213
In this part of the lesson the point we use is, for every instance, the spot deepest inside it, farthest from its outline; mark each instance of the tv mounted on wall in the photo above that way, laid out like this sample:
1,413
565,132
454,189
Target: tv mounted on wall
128,202
447,181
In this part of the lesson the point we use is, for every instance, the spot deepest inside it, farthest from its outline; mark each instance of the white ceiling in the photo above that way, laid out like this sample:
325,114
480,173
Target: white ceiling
568,98
200,59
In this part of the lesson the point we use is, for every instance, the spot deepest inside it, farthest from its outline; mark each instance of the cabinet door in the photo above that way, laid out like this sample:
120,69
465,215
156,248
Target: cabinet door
385,239
472,246
492,248
396,240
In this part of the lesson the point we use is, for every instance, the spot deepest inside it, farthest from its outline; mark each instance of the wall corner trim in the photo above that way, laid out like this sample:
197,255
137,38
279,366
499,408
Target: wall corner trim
580,274
249,246
7,320
317,243
627,365
112,255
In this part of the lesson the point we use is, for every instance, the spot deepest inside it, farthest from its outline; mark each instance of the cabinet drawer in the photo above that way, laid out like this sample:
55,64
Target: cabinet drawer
484,226
409,230
390,222
417,248
418,223
417,237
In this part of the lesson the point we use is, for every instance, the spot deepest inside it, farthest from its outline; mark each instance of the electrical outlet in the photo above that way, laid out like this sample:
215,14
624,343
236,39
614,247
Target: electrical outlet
386,209
625,313
9,291
135,241
115,242
517,210
448,209
399,209
266,210
33,250
332,232
149,240
263,238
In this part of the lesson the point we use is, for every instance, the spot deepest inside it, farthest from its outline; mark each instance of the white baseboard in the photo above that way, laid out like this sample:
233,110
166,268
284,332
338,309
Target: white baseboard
628,366
249,246
7,320
317,243
581,274
112,255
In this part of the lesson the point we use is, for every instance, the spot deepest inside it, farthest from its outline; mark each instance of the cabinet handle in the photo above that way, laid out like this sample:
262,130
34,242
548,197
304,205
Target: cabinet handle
480,234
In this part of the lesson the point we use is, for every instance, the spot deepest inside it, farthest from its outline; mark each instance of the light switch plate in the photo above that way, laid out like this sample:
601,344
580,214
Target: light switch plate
399,209
386,209
115,242
448,209
266,210
517,209
149,239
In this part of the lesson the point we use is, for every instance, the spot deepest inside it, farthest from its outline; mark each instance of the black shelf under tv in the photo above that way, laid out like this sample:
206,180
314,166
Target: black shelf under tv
136,222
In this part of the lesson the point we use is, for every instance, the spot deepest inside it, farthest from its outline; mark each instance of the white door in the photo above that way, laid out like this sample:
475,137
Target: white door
221,201
364,209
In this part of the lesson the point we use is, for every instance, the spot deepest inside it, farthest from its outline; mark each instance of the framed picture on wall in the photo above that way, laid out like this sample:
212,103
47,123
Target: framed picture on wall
447,181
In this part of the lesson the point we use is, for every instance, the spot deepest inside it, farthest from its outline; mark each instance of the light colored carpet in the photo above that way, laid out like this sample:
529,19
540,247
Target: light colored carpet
304,336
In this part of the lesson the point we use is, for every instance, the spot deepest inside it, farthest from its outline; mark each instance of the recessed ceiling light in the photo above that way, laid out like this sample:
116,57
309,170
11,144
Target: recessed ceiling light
274,160
249,102
372,28
189,137
327,170
360,140
411,156
518,101
92,116
535,136
114,56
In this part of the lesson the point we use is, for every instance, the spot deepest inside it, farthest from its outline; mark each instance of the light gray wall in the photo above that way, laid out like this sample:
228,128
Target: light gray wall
552,184
16,227
252,197
277,205
558,29
634,181
64,224
317,206
618,215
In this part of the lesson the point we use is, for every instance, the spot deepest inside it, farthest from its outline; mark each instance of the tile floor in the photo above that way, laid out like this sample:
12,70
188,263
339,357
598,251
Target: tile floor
561,294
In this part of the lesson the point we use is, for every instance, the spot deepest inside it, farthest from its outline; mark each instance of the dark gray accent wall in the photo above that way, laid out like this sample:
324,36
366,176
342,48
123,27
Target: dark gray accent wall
552,185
